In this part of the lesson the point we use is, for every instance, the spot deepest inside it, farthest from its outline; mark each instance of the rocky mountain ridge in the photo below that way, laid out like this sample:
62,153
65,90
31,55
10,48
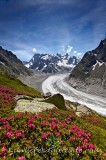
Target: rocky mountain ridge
90,74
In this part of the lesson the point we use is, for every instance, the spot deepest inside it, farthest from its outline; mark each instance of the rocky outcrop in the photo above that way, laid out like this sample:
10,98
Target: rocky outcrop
9,63
33,106
36,105
90,74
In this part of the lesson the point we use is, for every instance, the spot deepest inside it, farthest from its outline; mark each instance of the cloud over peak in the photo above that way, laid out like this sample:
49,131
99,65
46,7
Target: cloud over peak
34,49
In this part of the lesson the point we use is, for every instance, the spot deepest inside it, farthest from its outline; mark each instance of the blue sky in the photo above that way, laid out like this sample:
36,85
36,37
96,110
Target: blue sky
51,26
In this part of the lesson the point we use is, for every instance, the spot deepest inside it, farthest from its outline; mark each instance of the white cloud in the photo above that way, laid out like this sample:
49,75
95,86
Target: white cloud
78,54
34,49
69,49
75,52
66,49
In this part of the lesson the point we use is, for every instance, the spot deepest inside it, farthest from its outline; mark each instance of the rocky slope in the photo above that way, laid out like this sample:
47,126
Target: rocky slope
9,63
90,74
52,63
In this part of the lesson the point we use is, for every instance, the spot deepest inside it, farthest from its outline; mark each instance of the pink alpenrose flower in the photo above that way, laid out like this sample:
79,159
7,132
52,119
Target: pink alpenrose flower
72,138
44,136
18,134
104,154
31,125
79,149
91,146
21,158
86,140
61,142
4,148
9,134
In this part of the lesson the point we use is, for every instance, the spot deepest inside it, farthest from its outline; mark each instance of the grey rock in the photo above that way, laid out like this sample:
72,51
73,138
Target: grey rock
34,106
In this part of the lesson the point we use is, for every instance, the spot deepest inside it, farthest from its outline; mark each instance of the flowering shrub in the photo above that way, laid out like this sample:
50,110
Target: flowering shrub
95,120
7,97
52,134
28,136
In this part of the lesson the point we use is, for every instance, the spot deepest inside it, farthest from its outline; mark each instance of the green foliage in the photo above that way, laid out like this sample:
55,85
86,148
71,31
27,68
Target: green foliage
57,100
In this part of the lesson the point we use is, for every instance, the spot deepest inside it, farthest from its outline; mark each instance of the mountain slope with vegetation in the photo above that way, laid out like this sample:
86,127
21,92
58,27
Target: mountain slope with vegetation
9,63
51,134
14,83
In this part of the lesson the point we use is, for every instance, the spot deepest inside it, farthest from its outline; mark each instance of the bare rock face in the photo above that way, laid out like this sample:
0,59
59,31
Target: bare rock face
90,74
9,63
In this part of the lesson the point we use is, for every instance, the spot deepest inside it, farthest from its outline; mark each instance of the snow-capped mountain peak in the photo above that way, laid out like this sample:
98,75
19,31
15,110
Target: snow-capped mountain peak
52,63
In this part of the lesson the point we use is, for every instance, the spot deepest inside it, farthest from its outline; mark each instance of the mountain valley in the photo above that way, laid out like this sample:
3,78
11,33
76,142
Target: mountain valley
31,119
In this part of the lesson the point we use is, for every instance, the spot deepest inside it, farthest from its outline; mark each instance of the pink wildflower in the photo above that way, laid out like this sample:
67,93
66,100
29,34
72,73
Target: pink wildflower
4,157
59,133
9,134
21,158
31,126
79,135
48,133
64,125
72,138
18,134
44,136
84,146
86,140
88,136
44,124
54,119
79,149
10,118
91,146
61,142
54,125
55,133
4,148
30,143
104,154
69,119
